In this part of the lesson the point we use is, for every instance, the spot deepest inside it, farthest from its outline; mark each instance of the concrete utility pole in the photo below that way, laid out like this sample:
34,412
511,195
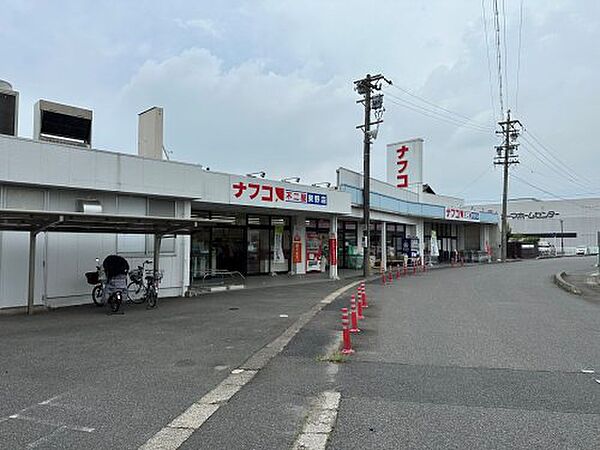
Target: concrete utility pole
562,239
365,87
506,156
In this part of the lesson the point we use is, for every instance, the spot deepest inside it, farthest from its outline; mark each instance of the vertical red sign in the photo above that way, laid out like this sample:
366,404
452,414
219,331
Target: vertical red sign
401,176
333,251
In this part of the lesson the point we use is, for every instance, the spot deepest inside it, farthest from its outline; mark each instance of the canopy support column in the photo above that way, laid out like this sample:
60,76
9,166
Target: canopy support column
157,242
31,283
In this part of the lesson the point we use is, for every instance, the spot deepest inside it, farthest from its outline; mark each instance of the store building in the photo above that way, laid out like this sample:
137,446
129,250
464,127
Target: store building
413,224
566,225
238,223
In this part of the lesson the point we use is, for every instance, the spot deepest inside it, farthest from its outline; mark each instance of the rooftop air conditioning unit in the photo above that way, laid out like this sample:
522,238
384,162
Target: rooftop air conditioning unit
9,109
64,124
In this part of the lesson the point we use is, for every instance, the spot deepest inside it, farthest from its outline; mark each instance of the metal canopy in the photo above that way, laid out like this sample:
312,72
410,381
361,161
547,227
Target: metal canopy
35,222
38,221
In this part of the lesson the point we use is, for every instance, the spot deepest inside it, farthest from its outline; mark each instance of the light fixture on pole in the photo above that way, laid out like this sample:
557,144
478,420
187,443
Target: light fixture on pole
260,174
291,180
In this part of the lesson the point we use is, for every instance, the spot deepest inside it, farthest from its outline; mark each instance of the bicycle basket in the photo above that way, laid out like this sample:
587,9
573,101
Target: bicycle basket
92,277
136,275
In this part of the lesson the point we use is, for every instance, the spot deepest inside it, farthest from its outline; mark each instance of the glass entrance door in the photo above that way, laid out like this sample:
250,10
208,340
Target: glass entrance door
228,249
259,251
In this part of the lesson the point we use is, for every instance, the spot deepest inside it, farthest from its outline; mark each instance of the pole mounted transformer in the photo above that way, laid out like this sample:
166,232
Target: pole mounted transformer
372,104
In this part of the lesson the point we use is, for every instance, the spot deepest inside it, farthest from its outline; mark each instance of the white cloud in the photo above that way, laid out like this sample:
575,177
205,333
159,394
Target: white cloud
267,84
204,25
246,117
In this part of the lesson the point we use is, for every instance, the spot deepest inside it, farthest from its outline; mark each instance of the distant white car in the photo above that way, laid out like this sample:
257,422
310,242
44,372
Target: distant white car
581,251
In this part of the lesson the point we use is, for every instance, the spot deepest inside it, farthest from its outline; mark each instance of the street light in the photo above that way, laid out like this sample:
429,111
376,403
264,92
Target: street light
260,174
326,184
291,180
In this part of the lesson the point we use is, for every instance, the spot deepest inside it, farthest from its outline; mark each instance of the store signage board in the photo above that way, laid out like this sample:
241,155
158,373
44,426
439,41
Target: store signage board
464,215
405,164
533,215
259,192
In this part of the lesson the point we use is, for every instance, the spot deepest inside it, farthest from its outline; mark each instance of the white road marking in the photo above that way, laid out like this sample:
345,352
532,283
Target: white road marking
283,316
587,371
172,436
319,423
51,423
50,400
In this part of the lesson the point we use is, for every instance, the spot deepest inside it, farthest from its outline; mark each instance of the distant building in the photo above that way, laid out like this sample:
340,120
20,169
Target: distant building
566,224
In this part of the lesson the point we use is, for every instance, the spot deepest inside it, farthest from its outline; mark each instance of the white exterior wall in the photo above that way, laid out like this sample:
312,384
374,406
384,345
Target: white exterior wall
63,258
53,177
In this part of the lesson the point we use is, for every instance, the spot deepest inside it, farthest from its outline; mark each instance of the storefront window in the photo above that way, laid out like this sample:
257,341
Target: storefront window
446,237
317,245
395,233
348,254
200,255
248,243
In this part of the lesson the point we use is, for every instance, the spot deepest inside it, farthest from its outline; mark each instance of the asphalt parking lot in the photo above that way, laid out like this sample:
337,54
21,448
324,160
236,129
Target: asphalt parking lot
79,378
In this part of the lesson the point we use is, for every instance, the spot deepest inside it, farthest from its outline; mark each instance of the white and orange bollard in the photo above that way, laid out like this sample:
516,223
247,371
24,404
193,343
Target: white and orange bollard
354,316
347,344
359,309
363,295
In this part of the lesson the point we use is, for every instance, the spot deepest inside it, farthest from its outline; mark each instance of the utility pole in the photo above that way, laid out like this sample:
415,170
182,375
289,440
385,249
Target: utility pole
365,87
562,241
506,156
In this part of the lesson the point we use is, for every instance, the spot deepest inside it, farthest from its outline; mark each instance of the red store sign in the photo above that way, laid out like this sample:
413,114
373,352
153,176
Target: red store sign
264,192
402,172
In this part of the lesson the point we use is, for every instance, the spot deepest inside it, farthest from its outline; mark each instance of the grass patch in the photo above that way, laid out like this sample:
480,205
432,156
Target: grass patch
335,357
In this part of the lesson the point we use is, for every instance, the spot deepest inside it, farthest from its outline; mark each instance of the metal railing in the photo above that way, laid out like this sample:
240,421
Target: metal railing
221,278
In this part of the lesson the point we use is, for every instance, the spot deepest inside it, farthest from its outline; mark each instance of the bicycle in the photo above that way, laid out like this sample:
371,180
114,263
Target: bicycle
152,291
98,280
144,285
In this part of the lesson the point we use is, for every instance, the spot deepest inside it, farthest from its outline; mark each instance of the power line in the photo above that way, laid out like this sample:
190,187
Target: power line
430,103
475,180
536,172
505,52
560,162
487,53
551,194
543,159
519,56
429,112
498,55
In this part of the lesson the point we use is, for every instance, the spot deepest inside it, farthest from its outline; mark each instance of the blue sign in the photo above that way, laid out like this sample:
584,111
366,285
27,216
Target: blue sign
316,199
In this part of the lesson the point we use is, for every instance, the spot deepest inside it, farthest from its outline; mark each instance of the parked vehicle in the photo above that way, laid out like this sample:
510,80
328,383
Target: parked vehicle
143,285
581,250
98,280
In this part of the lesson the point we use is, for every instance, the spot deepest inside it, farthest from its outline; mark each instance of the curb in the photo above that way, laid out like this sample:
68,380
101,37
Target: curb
560,281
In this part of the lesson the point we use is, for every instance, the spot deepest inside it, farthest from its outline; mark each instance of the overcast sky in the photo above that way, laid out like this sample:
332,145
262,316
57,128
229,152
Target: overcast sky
251,85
